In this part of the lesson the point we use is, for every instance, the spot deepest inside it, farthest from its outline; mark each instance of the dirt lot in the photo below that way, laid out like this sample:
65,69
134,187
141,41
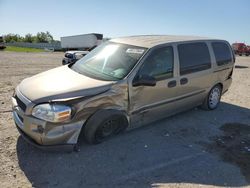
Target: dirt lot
190,149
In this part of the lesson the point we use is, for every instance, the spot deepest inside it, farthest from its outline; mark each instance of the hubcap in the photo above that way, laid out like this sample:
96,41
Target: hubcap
214,97
106,130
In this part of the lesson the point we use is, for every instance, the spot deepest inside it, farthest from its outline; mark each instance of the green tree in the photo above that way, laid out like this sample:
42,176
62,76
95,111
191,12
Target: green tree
44,37
13,38
41,37
28,38
49,37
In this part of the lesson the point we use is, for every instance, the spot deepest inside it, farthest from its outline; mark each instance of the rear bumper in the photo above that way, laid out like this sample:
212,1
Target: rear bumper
226,84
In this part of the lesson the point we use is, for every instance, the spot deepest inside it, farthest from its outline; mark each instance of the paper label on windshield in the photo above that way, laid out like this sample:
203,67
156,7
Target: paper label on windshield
135,50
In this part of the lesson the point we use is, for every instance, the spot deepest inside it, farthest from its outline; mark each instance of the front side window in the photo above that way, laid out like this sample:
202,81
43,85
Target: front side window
109,61
222,53
159,63
193,57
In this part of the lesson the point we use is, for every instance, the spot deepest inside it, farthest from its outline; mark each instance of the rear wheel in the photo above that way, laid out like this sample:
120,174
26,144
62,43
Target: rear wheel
103,125
213,98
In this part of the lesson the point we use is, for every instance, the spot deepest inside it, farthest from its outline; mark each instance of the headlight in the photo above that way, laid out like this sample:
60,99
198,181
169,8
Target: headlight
52,112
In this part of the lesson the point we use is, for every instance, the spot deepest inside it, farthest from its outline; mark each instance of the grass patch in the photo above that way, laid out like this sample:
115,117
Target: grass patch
22,49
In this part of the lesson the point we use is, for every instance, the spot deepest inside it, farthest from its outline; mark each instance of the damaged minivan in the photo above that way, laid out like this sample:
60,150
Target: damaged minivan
122,84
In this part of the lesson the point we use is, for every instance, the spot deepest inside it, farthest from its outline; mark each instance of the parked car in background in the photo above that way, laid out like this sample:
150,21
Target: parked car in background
248,51
73,56
240,49
2,44
122,84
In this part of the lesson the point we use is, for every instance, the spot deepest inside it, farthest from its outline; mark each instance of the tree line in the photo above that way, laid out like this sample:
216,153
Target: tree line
40,37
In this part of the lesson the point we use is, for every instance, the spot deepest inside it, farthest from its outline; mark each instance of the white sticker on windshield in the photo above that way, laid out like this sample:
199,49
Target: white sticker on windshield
135,50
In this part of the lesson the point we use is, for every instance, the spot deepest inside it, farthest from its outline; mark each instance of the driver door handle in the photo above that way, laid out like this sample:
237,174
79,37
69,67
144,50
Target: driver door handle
183,81
172,83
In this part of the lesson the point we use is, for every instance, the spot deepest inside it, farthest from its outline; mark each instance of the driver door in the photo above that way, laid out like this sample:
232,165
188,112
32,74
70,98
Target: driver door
149,103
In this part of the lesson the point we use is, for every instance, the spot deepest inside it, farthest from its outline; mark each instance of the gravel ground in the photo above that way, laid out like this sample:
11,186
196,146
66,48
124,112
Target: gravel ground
194,148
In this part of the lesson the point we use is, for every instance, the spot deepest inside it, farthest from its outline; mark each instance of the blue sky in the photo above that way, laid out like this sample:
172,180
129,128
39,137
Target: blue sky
225,19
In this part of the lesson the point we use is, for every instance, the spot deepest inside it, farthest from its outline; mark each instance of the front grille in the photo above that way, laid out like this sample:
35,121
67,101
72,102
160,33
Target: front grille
20,103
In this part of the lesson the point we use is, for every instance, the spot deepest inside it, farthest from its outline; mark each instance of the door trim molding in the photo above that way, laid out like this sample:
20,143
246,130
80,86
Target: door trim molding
221,69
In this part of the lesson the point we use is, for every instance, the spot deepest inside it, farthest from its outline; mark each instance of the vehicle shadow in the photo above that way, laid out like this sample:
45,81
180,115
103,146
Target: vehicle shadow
166,152
240,67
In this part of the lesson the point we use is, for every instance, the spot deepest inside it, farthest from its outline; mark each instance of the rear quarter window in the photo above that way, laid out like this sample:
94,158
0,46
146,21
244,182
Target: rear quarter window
193,57
222,53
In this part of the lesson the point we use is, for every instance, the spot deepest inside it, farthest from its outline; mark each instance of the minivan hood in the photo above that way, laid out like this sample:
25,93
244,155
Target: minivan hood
61,83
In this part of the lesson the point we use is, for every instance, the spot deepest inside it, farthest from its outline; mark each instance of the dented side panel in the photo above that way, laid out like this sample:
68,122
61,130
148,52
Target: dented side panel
115,98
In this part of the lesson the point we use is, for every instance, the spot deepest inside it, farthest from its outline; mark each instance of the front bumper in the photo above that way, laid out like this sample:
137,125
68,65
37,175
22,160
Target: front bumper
45,135
63,147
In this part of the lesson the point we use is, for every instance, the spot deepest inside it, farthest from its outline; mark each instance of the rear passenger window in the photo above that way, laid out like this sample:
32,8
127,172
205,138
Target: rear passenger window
193,57
222,53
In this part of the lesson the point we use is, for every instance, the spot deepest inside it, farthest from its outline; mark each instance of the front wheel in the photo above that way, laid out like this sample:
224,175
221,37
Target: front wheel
103,125
212,100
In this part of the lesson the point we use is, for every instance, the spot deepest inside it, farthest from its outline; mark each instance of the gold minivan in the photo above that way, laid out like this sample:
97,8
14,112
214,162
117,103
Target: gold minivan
122,84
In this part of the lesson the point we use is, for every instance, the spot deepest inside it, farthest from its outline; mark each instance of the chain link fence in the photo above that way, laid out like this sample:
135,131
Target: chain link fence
49,46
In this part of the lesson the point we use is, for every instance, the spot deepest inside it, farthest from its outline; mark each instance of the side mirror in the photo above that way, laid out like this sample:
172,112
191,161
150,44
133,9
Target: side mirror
144,80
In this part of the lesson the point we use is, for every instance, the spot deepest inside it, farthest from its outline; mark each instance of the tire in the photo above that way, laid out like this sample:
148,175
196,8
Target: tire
103,125
212,100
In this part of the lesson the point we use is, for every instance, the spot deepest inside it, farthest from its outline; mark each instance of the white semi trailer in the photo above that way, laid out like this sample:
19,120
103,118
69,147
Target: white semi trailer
83,42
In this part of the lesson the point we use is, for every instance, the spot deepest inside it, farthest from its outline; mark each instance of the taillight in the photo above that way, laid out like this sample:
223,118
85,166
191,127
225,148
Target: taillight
234,57
230,74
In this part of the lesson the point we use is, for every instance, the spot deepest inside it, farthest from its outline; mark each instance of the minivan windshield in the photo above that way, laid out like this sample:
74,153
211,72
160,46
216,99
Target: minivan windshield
109,61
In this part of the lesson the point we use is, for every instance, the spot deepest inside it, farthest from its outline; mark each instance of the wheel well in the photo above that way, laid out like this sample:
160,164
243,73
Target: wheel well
98,112
111,111
221,85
